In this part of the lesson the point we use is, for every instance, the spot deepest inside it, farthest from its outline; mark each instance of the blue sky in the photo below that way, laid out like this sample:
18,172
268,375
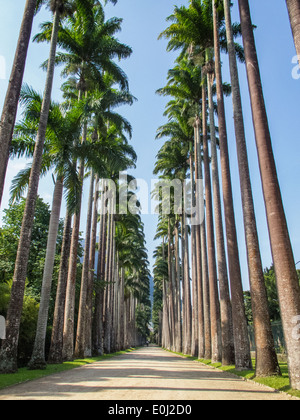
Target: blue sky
147,70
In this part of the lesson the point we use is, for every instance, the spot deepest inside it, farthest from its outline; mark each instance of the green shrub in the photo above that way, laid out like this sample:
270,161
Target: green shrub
28,322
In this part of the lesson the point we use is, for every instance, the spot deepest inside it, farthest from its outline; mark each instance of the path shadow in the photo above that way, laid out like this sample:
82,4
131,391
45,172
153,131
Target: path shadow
130,369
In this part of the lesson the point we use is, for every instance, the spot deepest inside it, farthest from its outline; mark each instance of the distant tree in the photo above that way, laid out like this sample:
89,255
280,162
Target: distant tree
143,317
248,307
273,301
270,280
9,238
157,309
28,320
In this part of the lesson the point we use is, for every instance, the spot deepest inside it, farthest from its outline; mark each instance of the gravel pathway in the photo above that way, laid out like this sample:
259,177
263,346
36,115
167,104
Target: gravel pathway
145,374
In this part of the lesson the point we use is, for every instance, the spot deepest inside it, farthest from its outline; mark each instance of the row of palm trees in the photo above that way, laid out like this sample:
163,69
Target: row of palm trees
205,317
83,137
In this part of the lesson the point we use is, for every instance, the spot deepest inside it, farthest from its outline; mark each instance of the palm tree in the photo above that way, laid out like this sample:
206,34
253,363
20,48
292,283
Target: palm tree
61,148
96,37
101,105
103,290
89,55
10,106
64,175
122,276
172,162
204,254
294,14
133,263
183,34
199,234
80,346
189,87
91,271
117,154
192,27
178,336
9,349
90,46
164,231
213,281
56,347
171,284
184,82
97,328
266,359
128,279
160,273
228,356
194,252
284,263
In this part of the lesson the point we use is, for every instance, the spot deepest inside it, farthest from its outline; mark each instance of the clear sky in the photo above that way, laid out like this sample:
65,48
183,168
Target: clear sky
147,70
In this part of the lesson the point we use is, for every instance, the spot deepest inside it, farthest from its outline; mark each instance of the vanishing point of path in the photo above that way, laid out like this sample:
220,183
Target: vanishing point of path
145,374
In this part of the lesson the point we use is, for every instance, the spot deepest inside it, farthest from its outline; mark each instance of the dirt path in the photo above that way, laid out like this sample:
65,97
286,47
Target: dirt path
145,374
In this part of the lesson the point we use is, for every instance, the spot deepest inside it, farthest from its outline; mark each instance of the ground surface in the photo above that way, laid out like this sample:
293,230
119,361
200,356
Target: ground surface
145,374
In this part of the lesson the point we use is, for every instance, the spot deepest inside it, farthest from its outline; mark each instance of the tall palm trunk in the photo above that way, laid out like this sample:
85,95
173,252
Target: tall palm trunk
228,357
200,200
80,344
116,317
129,315
166,325
106,343
213,280
8,353
159,334
97,315
127,320
131,320
56,347
266,358
195,329
10,107
122,308
171,285
117,306
110,272
195,324
240,329
206,300
178,294
286,275
69,321
114,269
182,273
294,14
187,289
68,338
99,298
205,274
108,281
38,360
91,276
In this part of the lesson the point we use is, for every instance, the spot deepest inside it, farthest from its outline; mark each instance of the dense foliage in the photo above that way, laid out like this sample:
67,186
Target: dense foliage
59,289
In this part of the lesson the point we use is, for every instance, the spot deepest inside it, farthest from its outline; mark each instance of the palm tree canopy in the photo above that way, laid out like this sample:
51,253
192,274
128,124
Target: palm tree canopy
191,30
89,46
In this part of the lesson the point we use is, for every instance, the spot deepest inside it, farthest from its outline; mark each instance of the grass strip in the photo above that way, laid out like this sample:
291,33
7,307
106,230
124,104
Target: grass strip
279,383
25,375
